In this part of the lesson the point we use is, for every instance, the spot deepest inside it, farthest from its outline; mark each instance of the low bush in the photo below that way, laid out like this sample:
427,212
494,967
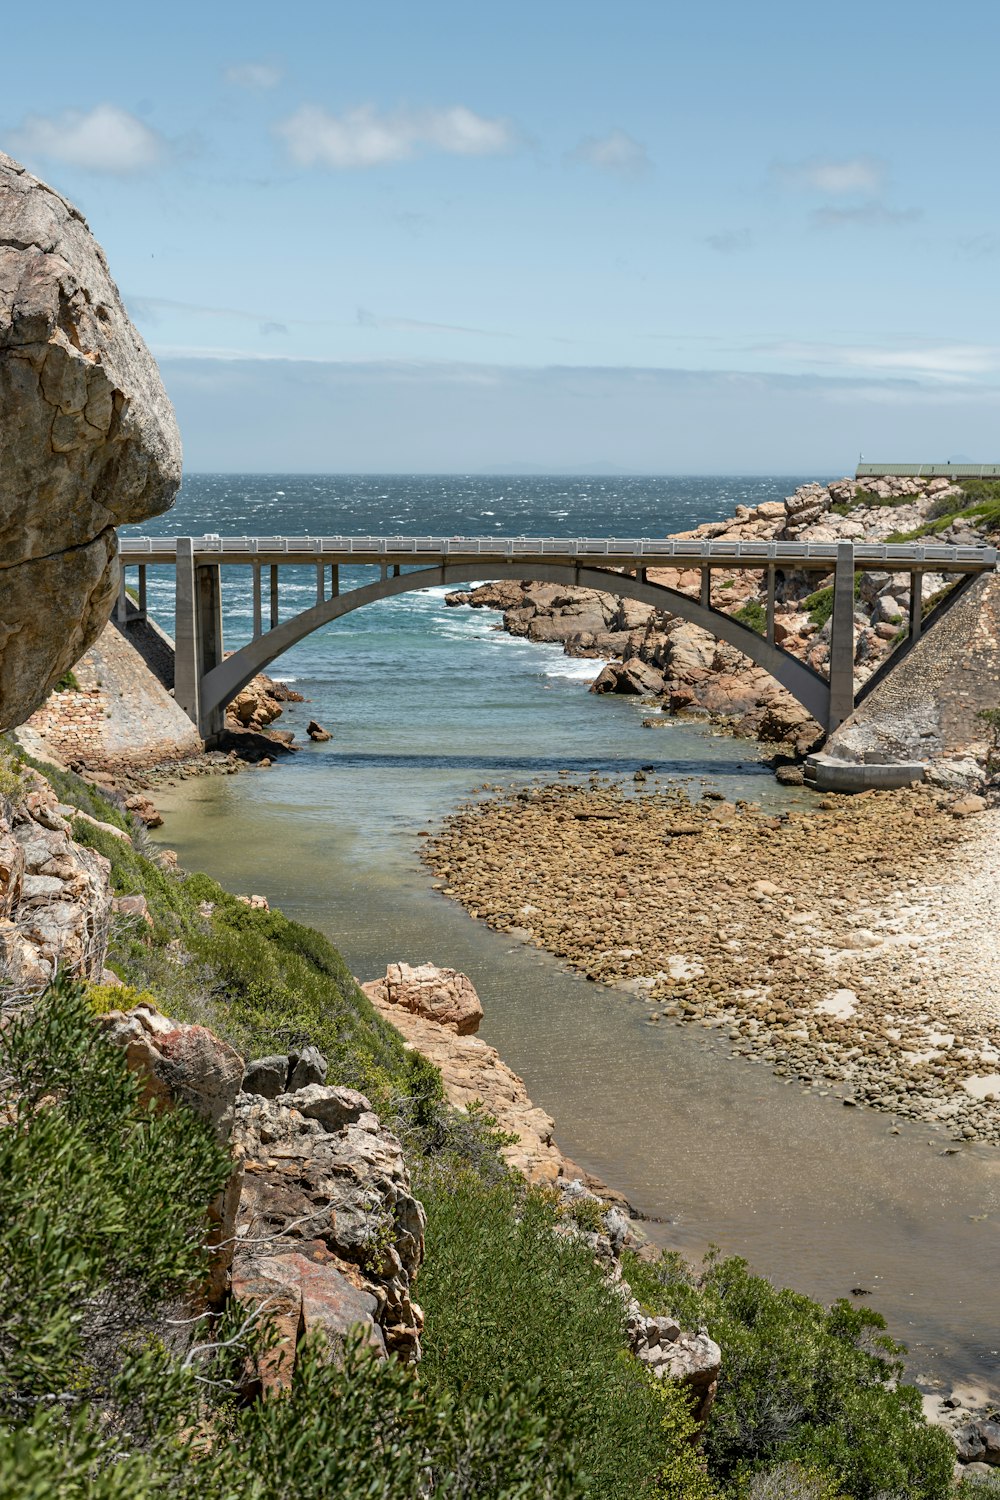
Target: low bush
820,603
801,1384
510,1300
103,1209
753,615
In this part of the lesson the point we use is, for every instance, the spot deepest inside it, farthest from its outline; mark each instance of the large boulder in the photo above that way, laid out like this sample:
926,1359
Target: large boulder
88,439
441,995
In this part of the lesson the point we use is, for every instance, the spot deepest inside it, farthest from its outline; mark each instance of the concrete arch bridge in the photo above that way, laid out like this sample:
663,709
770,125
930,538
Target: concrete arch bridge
205,680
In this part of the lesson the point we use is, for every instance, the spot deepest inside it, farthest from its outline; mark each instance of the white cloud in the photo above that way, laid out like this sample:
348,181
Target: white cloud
616,152
104,139
253,75
820,174
363,138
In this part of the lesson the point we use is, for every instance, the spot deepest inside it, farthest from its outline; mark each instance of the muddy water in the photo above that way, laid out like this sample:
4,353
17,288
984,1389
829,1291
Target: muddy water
714,1150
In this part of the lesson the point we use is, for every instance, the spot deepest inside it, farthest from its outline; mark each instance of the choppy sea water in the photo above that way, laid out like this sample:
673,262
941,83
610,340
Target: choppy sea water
429,704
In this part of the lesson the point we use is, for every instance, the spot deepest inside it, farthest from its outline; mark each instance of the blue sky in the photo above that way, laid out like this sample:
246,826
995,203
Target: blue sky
449,236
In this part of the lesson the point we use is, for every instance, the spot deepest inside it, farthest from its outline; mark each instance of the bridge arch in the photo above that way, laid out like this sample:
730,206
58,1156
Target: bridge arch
223,681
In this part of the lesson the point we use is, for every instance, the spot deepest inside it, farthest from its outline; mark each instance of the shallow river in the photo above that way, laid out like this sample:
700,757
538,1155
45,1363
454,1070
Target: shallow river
816,1195
427,705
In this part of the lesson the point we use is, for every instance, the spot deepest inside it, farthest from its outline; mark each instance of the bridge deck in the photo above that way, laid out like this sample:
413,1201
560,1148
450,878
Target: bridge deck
607,551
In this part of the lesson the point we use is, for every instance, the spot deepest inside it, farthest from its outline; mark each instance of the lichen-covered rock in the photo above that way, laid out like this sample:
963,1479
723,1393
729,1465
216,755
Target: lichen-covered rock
179,1063
327,1208
88,439
55,895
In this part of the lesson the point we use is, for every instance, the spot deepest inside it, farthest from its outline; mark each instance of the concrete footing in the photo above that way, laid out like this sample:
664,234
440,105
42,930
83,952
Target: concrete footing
827,774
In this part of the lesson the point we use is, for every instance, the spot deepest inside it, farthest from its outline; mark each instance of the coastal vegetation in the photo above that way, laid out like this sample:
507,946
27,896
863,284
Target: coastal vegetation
525,1387
753,615
978,503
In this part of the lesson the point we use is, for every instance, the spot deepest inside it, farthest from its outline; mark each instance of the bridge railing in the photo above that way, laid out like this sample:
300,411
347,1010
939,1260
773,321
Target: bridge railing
619,551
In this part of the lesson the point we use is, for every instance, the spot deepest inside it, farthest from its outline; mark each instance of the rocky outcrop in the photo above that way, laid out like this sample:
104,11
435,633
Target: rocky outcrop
441,995
88,439
329,1234
474,1073
55,894
259,703
692,1358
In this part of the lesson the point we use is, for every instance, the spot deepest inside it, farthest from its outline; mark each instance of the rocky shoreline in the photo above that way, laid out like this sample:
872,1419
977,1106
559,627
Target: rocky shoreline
681,669
852,948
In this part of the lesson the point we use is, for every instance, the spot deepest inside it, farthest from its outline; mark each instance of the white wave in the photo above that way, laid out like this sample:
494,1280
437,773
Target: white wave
575,668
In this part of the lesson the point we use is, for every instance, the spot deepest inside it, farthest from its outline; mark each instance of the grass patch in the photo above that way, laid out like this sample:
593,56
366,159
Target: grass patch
67,683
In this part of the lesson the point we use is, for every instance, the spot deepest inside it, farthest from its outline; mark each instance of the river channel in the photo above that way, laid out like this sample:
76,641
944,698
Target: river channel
429,705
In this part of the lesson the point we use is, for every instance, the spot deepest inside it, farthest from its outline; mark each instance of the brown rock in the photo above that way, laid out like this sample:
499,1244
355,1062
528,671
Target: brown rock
966,807
441,995
317,732
89,439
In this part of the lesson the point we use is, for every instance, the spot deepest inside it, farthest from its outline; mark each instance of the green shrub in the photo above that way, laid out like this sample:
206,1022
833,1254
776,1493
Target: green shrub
263,982
363,1430
103,1209
990,719
820,603
101,998
801,1384
67,683
11,778
510,1301
753,615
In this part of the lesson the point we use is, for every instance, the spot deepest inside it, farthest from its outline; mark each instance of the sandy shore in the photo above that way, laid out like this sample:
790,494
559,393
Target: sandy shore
855,947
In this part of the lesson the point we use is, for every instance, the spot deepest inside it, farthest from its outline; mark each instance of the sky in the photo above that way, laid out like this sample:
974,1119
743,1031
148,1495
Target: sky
645,236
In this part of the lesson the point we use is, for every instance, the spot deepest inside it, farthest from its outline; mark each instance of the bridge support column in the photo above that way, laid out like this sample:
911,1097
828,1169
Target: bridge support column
212,721
258,618
916,604
706,587
842,638
187,661
142,591
274,596
770,605
334,581
121,603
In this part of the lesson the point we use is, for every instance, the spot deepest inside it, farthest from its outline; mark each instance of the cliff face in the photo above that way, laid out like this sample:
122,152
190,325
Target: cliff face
88,439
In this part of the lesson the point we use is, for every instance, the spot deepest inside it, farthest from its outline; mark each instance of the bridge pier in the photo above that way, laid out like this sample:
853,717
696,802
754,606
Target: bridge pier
198,645
842,638
916,605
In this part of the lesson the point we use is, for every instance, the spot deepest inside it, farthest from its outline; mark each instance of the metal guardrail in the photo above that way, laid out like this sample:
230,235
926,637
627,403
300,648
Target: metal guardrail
617,551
